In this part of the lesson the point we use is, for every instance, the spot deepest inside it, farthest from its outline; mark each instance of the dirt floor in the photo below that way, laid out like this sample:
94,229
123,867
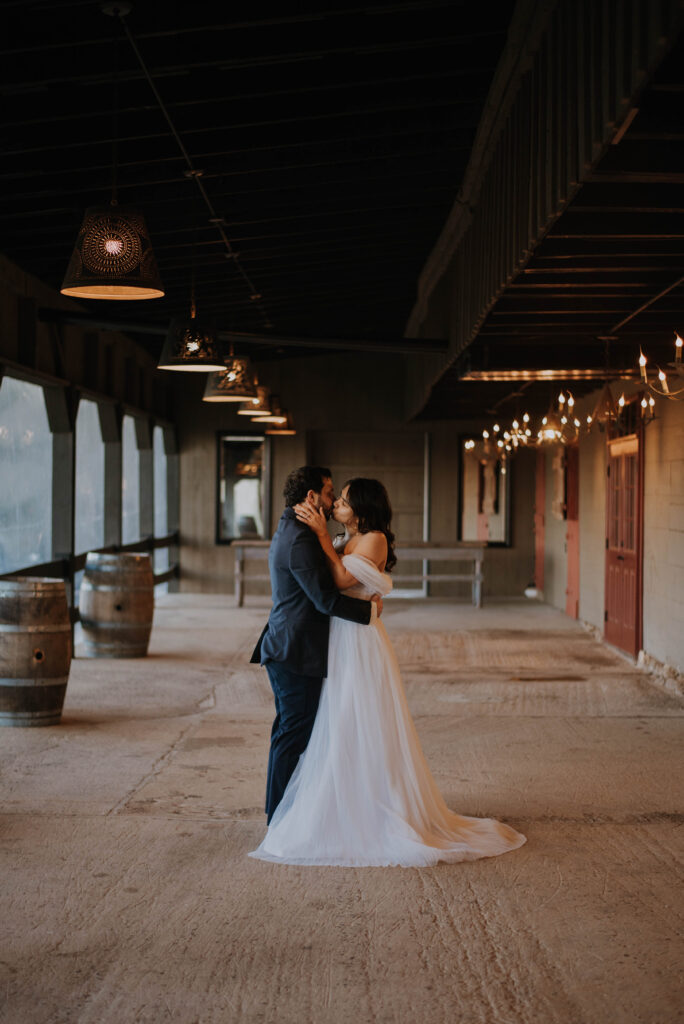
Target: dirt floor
128,896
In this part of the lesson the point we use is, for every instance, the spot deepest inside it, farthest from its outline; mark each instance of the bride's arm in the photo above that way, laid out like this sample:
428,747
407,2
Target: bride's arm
315,519
372,546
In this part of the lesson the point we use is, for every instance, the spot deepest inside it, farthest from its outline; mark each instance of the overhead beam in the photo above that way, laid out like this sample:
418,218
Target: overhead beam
390,347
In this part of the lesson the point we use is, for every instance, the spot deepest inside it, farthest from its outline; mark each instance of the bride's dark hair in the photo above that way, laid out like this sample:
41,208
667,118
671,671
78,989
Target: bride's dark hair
371,506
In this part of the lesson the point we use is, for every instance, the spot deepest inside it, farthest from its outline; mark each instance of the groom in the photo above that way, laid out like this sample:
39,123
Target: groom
294,644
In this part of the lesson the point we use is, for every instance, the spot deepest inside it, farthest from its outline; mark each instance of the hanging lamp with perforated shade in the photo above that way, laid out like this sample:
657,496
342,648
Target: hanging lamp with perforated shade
276,415
113,257
286,429
192,346
234,383
259,406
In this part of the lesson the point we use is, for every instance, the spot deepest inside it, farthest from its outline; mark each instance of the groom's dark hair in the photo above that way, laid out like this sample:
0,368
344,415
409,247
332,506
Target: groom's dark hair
302,480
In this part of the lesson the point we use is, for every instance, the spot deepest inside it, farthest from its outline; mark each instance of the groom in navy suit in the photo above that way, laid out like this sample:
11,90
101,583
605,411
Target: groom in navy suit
294,644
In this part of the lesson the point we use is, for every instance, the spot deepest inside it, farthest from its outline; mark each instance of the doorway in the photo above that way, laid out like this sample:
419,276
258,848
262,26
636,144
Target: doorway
624,520
572,530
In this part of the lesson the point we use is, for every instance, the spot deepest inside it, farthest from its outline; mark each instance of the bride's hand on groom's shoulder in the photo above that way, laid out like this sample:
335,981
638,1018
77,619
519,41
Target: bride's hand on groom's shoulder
314,518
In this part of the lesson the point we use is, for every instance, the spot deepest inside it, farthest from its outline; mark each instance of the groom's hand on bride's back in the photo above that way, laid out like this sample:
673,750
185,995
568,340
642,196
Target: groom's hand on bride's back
377,601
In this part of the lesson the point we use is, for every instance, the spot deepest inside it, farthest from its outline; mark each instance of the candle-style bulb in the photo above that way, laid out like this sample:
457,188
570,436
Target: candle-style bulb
642,365
561,399
678,348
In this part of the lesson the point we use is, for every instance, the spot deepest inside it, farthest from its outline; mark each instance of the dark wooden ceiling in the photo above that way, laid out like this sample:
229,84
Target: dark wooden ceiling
332,140
608,277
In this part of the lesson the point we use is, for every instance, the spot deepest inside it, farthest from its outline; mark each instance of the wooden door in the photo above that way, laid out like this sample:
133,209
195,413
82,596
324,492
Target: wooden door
572,530
539,520
623,545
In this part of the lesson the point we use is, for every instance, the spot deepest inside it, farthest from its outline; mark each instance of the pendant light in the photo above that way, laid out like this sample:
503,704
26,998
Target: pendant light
286,429
234,383
190,346
275,415
113,257
259,406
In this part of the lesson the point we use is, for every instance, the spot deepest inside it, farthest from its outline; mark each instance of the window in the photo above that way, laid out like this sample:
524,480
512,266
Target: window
25,476
243,487
130,525
90,475
161,512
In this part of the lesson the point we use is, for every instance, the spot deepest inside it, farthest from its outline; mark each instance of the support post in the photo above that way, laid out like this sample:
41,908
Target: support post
172,499
110,425
61,405
143,440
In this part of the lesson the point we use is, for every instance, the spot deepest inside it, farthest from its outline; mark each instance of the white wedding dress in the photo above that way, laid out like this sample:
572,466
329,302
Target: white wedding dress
362,793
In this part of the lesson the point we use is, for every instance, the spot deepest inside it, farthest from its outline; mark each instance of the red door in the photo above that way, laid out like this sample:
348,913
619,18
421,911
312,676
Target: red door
623,545
572,529
539,509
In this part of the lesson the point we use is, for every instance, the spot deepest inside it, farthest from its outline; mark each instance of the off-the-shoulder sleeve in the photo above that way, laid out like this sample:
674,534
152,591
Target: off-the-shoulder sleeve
362,569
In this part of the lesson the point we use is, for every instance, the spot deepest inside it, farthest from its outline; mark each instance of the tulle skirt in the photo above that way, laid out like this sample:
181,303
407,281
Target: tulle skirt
362,793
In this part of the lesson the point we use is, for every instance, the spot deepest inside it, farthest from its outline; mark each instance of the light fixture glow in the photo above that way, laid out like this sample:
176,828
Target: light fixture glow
234,383
190,346
113,257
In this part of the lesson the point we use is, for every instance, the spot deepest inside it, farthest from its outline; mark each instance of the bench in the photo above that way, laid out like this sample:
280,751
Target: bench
423,551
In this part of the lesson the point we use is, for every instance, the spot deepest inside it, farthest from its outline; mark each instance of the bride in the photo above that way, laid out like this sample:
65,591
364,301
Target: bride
362,793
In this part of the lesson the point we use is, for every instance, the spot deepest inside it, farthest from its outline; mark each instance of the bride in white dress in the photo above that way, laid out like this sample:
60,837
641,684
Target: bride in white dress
362,793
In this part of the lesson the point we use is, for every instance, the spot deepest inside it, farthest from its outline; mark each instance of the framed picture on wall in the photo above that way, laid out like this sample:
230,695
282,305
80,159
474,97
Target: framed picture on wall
243,486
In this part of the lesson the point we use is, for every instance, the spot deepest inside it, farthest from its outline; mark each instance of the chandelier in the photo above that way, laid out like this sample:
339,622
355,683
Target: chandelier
662,388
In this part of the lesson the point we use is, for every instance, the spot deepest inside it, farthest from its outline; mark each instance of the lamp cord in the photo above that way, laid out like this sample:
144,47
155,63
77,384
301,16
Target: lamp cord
196,174
115,122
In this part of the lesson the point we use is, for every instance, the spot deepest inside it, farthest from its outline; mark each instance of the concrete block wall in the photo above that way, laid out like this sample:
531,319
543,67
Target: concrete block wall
592,517
329,394
664,535
555,553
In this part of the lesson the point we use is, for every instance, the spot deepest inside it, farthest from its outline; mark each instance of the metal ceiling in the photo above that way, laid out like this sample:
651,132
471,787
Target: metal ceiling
332,140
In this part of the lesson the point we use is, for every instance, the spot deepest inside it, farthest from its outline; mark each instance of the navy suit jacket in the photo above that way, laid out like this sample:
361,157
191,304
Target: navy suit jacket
304,598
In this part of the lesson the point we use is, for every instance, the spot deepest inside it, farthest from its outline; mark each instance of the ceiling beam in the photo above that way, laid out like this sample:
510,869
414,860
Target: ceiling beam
390,347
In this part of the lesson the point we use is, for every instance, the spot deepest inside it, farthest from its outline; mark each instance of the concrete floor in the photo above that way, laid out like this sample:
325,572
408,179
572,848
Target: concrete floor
128,896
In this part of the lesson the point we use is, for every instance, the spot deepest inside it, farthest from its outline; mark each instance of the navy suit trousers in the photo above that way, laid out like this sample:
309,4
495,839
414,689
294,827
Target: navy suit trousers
296,701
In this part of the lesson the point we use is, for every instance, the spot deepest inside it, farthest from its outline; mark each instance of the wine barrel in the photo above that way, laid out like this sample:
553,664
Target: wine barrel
35,650
116,605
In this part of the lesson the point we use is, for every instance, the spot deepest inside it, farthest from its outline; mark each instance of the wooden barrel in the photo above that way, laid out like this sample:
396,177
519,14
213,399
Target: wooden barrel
35,650
116,604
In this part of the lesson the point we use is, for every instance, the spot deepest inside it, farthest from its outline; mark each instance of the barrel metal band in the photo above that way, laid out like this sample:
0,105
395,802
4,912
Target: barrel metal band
52,681
5,627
